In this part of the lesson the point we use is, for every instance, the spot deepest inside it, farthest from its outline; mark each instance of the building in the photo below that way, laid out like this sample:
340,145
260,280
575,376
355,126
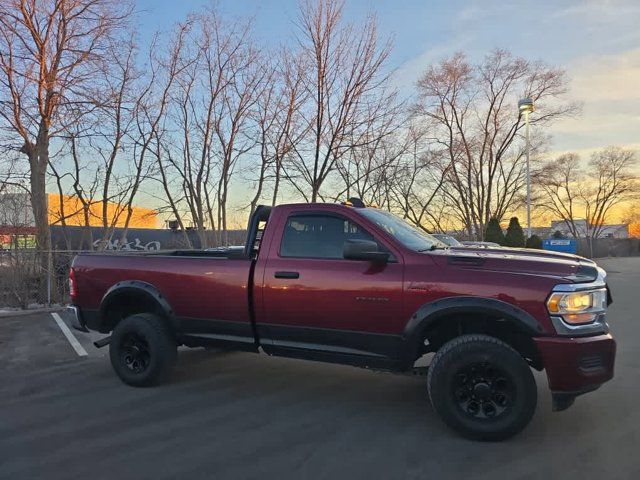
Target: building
71,209
606,231
17,225
542,232
16,221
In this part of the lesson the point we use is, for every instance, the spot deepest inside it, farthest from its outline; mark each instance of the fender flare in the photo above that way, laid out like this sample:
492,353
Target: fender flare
139,288
429,313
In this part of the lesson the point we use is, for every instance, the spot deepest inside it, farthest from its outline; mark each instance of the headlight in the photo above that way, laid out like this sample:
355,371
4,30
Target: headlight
578,307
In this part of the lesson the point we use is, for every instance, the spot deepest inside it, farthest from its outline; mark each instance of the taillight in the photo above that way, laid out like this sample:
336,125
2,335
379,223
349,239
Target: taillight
73,290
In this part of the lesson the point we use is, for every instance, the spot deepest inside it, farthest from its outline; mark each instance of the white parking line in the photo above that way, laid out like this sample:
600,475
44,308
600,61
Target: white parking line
67,333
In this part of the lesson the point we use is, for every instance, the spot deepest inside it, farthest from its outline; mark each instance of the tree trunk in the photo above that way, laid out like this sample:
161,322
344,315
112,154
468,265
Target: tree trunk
202,236
276,185
39,207
256,197
39,159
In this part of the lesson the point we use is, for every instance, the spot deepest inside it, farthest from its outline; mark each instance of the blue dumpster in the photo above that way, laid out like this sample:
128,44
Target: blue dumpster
565,245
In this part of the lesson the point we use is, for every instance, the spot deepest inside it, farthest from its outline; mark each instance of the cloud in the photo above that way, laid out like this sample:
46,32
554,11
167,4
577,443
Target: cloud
405,76
609,87
585,153
597,11
614,77
596,41
454,30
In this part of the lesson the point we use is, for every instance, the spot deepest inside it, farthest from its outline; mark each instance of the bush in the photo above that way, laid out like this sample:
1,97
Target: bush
515,234
493,232
534,241
558,234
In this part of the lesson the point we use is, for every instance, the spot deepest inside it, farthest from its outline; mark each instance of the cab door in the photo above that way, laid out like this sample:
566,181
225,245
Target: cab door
314,299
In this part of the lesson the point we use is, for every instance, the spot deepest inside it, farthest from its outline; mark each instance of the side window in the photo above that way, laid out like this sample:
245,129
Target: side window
318,236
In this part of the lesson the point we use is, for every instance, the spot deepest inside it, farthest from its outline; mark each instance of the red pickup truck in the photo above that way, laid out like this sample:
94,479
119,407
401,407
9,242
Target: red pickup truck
357,285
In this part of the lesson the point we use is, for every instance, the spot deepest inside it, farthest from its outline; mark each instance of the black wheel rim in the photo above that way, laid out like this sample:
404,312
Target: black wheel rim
482,390
135,353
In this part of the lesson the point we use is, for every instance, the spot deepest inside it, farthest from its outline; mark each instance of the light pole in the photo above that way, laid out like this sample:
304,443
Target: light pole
526,106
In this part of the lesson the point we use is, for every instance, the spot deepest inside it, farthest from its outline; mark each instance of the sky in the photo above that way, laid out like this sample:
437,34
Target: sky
596,41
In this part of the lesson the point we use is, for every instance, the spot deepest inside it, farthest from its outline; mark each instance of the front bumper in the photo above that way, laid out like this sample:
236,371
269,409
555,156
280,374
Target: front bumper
577,365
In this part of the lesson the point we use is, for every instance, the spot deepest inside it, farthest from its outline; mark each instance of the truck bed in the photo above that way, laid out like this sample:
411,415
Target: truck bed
201,286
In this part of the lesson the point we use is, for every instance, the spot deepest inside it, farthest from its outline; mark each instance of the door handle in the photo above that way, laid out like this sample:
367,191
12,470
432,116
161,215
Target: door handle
287,275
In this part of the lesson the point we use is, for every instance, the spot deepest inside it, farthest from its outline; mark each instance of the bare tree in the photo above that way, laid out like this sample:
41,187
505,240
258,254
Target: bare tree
98,166
631,217
558,184
192,161
50,51
366,168
61,208
416,190
123,90
17,265
471,111
345,91
85,183
209,123
612,170
234,124
575,192
152,133
278,120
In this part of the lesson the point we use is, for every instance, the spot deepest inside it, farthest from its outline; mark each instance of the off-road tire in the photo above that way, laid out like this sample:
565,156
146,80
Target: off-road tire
447,387
151,335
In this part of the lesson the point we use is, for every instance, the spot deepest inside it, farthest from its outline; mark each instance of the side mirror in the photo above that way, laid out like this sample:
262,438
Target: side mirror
364,250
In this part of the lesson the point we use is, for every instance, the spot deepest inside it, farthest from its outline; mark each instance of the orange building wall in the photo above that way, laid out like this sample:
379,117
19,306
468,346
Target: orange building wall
72,209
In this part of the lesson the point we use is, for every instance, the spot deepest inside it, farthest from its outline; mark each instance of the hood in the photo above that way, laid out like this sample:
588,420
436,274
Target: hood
570,268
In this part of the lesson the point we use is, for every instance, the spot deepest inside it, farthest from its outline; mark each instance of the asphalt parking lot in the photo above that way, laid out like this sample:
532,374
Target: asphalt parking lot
237,415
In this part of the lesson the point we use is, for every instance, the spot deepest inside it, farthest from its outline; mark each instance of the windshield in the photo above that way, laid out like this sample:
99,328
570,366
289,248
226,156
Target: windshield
407,235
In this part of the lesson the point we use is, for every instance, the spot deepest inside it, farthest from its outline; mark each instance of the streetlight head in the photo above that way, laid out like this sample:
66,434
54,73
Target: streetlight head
526,105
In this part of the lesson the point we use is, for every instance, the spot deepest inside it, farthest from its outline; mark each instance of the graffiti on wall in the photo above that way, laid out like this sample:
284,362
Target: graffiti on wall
126,246
135,239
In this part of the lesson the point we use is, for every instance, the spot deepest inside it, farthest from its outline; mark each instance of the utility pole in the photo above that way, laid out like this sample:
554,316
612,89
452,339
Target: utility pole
526,106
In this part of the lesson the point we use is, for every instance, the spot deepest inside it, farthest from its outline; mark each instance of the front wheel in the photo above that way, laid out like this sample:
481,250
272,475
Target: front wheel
482,387
142,350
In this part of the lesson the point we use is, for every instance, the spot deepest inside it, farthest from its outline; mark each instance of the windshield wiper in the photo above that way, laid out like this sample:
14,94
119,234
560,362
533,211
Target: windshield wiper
432,248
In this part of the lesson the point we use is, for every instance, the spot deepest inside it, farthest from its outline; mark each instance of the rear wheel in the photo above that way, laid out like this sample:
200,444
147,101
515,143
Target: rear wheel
142,350
482,387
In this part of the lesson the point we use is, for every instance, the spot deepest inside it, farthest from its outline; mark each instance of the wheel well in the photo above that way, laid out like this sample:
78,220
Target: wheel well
448,327
127,303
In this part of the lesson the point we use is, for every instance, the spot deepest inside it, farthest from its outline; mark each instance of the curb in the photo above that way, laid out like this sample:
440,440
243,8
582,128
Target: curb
24,313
